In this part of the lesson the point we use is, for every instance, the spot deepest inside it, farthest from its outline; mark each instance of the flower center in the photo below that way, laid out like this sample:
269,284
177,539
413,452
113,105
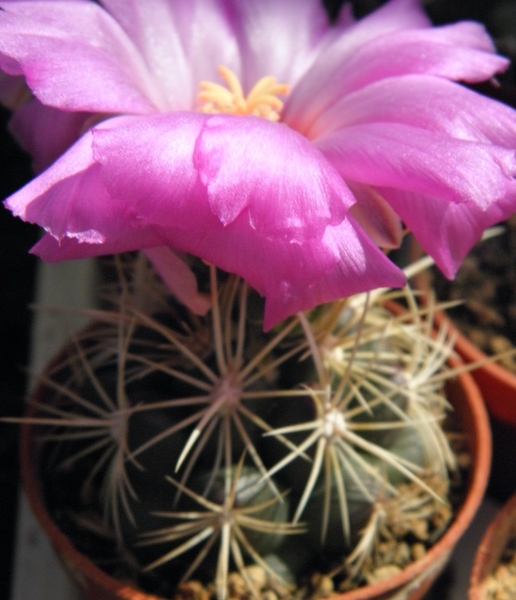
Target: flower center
262,100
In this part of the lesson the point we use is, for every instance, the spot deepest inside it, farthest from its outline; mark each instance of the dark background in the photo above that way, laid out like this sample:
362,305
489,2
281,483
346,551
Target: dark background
18,267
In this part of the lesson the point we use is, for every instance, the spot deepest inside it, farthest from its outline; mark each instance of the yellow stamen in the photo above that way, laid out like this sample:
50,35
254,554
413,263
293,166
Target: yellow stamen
262,100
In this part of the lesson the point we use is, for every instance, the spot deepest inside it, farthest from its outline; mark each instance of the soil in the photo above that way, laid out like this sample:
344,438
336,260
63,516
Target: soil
486,282
501,584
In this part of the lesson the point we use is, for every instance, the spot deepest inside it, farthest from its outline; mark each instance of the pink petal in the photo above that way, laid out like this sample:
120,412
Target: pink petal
345,18
147,167
445,230
424,101
340,265
283,180
277,38
52,250
178,278
334,259
412,159
391,17
293,277
183,42
45,132
462,51
74,56
118,202
70,200
190,162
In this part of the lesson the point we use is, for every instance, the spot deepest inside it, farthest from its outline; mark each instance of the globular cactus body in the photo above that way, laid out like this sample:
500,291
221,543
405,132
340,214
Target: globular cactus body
215,445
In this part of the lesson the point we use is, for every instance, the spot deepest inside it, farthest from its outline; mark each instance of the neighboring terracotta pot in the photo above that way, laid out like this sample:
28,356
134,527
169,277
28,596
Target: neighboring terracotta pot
491,547
409,584
497,385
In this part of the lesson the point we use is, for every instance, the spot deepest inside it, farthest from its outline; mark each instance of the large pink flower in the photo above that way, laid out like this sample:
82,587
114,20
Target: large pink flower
370,115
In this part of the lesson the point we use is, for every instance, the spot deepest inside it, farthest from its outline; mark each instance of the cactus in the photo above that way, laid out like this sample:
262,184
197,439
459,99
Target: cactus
214,446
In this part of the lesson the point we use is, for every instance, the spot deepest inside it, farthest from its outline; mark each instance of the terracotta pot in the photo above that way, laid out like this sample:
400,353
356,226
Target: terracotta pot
491,547
497,385
410,584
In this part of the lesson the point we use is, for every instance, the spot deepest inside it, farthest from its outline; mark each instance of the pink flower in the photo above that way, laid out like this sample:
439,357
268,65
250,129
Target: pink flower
370,127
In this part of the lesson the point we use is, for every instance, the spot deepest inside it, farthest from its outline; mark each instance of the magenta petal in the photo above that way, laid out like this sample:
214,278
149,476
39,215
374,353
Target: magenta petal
287,185
178,278
342,263
147,166
152,158
445,230
427,102
393,16
70,200
45,132
278,38
412,159
292,276
74,56
189,163
52,250
462,51
183,42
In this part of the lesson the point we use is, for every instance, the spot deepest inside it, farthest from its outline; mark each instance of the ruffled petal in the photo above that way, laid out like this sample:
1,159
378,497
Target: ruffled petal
75,57
413,159
344,262
278,38
292,276
285,183
183,42
445,230
227,164
45,132
103,200
462,51
147,167
52,250
70,200
423,101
